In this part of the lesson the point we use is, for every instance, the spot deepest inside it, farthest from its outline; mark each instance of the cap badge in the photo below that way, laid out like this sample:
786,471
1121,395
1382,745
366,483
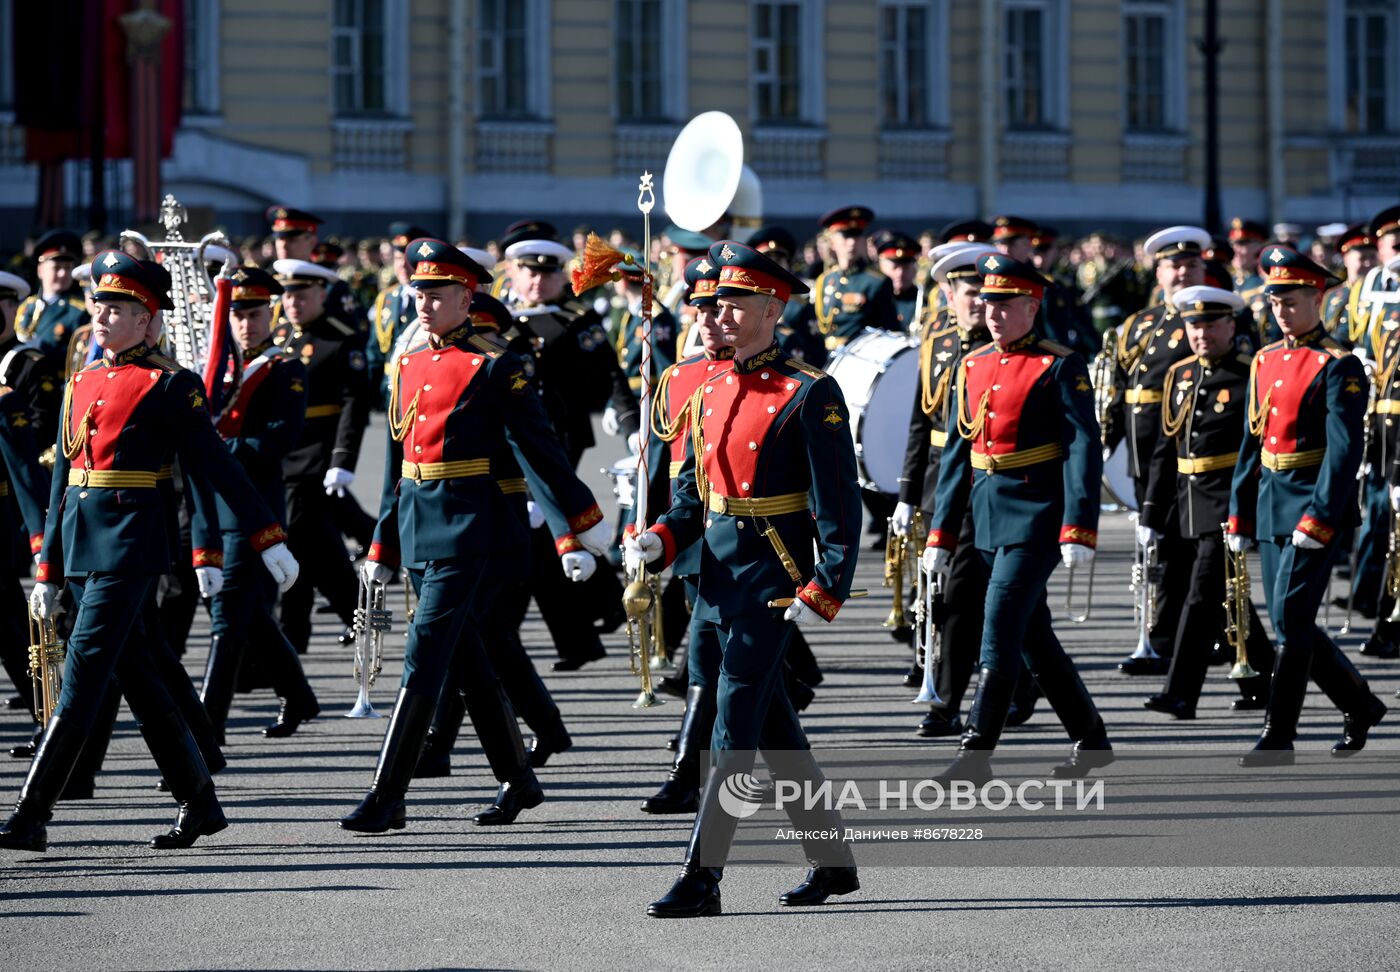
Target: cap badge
727,253
111,260
424,250
704,266
1277,256
993,263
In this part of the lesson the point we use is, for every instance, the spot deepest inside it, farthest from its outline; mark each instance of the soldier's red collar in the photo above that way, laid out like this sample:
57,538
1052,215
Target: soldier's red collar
1312,337
759,360
455,336
723,354
126,357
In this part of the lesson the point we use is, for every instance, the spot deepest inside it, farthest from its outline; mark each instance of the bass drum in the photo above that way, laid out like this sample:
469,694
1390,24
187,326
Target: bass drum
878,374
1118,491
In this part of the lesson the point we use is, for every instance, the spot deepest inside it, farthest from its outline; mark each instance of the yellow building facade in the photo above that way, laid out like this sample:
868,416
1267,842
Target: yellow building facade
466,114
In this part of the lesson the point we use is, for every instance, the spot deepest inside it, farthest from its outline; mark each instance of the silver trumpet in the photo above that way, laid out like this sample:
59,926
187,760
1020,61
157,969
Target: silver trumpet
373,620
928,635
1144,587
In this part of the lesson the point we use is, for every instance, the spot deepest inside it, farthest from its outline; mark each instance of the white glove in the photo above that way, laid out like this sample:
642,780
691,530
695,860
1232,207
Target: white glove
41,600
578,565
211,581
937,560
1395,497
1075,553
281,565
903,514
1238,542
1107,453
1304,542
336,480
374,572
799,612
1364,472
634,443
610,423
640,550
597,538
536,515
1146,535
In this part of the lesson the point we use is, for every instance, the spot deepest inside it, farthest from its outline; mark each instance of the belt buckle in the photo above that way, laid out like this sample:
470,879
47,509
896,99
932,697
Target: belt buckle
82,477
417,473
723,506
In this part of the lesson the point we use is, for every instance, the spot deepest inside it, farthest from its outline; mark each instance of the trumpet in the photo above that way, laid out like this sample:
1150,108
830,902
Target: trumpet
373,620
928,632
641,600
1101,374
1392,567
1237,609
46,657
1144,587
901,565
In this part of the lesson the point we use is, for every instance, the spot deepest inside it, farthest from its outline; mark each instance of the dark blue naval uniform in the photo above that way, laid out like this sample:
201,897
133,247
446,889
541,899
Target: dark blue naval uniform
1027,458
259,427
1297,472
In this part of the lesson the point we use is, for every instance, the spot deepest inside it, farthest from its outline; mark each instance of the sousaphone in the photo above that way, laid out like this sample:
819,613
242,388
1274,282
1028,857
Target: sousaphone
706,181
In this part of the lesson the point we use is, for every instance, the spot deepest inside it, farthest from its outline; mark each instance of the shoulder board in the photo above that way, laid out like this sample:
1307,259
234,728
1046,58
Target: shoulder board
800,299
77,302
336,324
805,368
1132,320
1244,357
943,332
164,363
1181,364
27,302
1272,347
1055,348
485,346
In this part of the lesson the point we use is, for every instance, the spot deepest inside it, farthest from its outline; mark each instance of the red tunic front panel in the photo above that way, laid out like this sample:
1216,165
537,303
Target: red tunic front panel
438,380
107,398
740,407
681,384
997,383
1285,382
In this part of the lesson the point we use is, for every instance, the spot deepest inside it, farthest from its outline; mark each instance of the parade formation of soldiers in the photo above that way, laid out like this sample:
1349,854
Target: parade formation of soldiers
1245,390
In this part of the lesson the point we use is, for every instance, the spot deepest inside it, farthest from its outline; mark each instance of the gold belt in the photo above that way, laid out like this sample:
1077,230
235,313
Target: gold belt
165,472
1278,461
1142,396
938,437
1016,460
1387,406
4,489
322,411
509,486
1205,464
758,505
675,469
421,471
113,478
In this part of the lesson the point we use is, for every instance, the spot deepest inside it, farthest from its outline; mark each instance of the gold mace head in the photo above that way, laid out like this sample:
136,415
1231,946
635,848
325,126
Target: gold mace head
636,599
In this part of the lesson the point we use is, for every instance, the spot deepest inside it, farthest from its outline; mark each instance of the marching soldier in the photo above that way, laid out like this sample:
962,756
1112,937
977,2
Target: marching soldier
1149,343
124,416
768,489
1203,409
1027,459
940,353
452,403
1295,489
260,427
49,317
1246,239
394,311
685,247
322,461
899,261
295,236
851,296
621,417
794,332
1346,321
1016,237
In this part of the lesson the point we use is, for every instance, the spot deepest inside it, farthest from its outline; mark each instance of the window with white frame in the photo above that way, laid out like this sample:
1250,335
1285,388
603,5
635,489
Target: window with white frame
912,59
201,57
1153,52
1033,64
512,59
358,62
638,55
1370,51
777,68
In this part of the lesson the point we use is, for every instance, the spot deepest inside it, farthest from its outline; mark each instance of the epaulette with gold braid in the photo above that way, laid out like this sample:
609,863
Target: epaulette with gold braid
1055,348
805,368
1244,357
1334,347
164,363
485,346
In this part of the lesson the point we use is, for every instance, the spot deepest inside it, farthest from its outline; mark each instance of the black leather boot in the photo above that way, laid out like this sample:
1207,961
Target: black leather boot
53,763
695,892
820,884
1023,702
1357,725
1092,751
681,791
939,722
530,699
1290,684
183,768
220,677
29,749
1074,706
289,682
985,720
833,868
499,735
383,807
436,759
82,782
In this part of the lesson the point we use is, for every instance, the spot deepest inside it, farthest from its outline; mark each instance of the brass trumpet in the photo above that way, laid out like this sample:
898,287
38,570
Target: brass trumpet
1392,567
641,600
46,656
1237,609
901,565
372,621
